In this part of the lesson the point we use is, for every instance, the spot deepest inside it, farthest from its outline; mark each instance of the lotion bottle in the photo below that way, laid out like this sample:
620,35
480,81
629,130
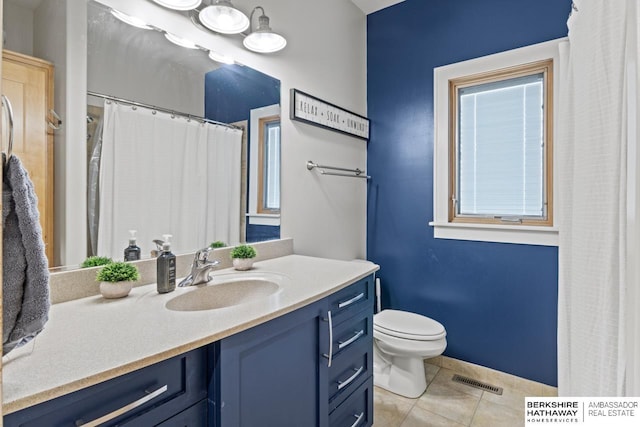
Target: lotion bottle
132,252
166,270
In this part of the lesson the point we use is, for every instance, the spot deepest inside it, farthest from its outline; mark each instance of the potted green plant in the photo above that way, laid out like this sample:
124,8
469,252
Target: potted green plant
217,244
95,261
242,256
116,279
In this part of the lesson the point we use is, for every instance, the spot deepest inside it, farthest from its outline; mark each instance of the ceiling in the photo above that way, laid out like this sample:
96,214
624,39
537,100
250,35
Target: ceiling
370,6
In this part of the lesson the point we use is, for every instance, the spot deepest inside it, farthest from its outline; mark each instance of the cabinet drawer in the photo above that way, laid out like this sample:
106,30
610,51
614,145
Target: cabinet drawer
357,410
193,417
352,299
152,394
347,374
350,334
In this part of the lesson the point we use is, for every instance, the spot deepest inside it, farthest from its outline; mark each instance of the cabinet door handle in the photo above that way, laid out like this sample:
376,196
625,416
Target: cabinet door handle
330,355
351,301
343,344
133,405
358,419
343,384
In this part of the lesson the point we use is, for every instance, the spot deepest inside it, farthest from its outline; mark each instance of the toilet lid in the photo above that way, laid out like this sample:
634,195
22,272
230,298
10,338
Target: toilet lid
408,325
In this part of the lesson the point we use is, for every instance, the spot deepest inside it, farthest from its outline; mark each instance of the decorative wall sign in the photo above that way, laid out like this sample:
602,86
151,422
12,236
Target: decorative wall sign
309,109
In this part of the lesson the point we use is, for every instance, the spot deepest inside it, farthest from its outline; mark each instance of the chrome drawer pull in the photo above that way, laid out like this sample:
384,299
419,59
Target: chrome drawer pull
343,384
330,355
343,344
133,405
351,301
358,419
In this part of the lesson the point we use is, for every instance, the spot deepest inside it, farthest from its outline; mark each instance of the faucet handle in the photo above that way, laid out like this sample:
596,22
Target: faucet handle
203,254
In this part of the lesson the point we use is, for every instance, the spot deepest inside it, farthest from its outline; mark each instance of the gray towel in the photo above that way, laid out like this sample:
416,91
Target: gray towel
25,270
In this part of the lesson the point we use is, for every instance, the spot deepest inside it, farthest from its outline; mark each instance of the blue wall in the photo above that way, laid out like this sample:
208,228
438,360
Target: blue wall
230,93
498,302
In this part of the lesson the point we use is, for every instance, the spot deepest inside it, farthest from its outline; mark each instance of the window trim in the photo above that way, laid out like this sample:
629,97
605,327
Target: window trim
262,122
546,235
253,217
544,67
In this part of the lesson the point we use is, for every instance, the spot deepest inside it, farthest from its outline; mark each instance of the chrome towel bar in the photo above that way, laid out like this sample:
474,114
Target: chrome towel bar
357,173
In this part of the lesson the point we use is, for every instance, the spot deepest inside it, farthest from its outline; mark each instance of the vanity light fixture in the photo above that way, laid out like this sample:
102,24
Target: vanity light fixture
222,17
221,58
179,4
181,41
263,39
131,20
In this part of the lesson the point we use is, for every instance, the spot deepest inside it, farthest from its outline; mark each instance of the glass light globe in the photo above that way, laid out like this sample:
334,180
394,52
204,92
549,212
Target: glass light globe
264,42
179,4
223,18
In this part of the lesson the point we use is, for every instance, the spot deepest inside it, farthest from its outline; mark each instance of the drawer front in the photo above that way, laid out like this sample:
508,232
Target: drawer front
347,374
348,301
193,417
152,395
353,333
357,410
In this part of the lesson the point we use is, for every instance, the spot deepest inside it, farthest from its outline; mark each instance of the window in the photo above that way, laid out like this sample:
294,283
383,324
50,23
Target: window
269,166
264,166
500,146
493,150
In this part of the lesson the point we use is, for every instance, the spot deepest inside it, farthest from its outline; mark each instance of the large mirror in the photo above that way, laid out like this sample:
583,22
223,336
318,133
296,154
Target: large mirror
136,78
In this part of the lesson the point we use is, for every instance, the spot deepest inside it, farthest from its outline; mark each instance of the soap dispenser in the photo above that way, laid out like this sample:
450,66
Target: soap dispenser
166,268
132,252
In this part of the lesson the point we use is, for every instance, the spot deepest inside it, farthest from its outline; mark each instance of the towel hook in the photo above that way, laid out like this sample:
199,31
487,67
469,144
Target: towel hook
58,121
7,103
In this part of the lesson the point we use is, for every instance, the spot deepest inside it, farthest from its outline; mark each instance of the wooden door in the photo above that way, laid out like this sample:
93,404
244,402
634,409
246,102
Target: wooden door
28,83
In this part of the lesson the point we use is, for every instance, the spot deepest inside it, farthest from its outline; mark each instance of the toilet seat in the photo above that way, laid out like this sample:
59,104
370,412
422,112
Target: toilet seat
411,326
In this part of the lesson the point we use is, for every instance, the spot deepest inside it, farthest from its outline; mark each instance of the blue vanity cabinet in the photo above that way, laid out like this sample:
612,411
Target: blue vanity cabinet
271,374
311,367
161,394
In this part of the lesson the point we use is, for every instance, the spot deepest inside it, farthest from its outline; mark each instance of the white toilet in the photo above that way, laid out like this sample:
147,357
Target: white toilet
401,341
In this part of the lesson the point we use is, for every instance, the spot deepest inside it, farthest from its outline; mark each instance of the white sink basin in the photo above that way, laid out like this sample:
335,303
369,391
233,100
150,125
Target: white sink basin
226,290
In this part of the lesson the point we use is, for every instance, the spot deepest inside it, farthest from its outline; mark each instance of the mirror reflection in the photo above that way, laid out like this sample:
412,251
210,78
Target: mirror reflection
177,144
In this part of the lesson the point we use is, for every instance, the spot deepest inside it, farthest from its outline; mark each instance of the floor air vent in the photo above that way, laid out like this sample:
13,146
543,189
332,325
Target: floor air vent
477,384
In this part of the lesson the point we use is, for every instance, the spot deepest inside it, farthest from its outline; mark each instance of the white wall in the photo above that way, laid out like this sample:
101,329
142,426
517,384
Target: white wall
325,57
178,73
18,28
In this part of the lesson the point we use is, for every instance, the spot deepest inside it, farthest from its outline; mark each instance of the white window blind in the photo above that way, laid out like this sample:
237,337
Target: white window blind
500,150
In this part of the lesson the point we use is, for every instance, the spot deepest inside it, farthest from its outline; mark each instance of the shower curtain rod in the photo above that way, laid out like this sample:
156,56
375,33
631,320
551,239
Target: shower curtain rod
164,110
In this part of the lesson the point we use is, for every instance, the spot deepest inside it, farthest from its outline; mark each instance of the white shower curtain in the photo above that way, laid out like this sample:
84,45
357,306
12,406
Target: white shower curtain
163,175
598,330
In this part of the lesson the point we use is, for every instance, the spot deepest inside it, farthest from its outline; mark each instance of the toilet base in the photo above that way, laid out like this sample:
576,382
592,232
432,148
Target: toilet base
400,375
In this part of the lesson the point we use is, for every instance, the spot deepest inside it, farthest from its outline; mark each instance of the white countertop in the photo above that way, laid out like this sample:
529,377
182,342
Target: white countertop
91,340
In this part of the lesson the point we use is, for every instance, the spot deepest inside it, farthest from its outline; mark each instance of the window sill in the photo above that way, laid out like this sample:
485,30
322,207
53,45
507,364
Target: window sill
521,234
263,219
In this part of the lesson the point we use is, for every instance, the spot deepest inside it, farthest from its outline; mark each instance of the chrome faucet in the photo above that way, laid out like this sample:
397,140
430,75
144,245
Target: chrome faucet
200,268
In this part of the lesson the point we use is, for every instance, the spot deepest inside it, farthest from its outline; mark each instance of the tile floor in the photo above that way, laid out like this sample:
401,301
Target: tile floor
449,404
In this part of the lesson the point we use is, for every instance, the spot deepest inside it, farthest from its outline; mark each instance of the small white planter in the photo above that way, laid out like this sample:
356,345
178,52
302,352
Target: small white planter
242,264
111,290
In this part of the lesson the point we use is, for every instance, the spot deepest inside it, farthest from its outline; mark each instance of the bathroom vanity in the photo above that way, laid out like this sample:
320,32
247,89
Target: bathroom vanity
299,357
